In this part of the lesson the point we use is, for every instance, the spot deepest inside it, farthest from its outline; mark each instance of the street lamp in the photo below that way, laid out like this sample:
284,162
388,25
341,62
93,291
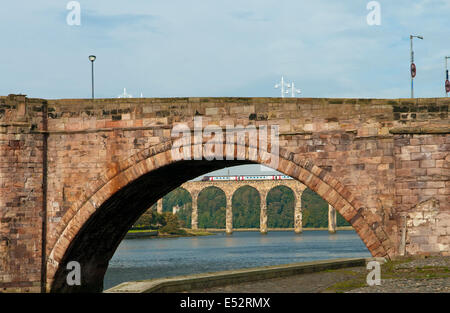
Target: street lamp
447,82
413,66
92,59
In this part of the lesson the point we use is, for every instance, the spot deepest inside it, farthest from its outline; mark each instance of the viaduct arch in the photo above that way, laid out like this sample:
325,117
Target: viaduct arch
77,173
263,188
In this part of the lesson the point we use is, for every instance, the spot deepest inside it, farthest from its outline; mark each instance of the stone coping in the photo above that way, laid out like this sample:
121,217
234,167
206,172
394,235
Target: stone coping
206,280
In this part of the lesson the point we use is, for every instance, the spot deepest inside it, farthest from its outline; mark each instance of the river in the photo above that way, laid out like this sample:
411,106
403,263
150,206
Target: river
138,259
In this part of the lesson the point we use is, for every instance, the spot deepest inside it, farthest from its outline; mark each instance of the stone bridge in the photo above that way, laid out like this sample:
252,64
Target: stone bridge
263,187
76,174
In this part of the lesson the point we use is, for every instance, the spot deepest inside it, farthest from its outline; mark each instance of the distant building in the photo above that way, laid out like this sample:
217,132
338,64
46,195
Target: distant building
175,209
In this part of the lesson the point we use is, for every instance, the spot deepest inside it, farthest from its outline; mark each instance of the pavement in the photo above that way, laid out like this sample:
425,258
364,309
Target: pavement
419,275
303,283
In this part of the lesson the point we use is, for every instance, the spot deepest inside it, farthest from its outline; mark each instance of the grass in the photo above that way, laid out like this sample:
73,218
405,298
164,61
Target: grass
133,231
199,232
389,271
356,281
347,285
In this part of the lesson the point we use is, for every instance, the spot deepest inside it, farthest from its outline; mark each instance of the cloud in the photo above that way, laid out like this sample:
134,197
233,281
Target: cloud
216,48
111,22
96,19
248,16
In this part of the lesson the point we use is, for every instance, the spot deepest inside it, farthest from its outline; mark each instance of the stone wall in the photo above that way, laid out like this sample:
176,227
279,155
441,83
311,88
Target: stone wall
382,158
21,190
423,191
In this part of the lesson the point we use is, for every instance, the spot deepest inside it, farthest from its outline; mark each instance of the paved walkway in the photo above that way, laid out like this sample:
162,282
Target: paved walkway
304,283
418,275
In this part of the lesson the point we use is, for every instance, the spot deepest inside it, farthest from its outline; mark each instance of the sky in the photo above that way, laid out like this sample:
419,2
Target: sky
214,48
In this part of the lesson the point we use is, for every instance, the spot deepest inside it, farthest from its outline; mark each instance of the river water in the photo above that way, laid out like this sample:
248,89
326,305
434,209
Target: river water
138,259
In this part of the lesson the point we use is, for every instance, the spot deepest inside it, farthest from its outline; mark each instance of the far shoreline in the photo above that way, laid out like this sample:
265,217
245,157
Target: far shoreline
154,234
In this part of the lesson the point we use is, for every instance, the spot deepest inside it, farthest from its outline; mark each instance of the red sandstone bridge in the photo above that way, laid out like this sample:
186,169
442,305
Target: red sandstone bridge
76,174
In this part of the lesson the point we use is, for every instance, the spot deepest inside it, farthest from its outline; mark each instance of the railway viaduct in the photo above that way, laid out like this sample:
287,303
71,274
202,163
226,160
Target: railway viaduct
263,187
75,174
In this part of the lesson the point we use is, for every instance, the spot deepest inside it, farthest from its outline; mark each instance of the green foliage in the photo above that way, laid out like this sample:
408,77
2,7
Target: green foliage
280,207
246,208
172,225
211,208
179,197
150,220
315,211
167,223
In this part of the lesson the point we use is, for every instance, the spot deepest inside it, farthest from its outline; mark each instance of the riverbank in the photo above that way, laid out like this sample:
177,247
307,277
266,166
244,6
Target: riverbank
247,275
406,275
135,234
218,230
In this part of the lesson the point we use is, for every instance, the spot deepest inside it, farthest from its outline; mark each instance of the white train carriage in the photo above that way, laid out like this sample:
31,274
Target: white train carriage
249,177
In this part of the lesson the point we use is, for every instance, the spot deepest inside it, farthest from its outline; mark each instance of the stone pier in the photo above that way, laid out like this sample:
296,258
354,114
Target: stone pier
229,216
194,217
298,216
331,219
263,214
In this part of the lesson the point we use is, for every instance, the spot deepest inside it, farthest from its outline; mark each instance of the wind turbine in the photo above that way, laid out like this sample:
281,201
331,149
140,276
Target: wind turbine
282,85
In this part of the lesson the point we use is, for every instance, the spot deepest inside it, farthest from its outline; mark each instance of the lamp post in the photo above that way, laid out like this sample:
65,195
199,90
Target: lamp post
413,66
92,59
447,82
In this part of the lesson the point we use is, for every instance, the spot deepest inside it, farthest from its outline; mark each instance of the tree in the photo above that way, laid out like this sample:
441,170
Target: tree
172,225
280,207
211,208
246,208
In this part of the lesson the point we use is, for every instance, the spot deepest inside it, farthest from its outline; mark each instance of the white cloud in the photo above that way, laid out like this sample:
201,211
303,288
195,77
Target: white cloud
218,47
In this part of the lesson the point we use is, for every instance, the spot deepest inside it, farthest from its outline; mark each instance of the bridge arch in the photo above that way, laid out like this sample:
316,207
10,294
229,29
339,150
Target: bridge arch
92,228
202,215
270,209
238,212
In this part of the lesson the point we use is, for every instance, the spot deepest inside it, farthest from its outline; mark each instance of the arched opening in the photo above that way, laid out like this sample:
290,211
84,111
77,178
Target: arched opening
280,207
90,232
315,211
212,205
246,204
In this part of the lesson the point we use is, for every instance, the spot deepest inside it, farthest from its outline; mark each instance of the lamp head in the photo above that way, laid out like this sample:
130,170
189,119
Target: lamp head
92,58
